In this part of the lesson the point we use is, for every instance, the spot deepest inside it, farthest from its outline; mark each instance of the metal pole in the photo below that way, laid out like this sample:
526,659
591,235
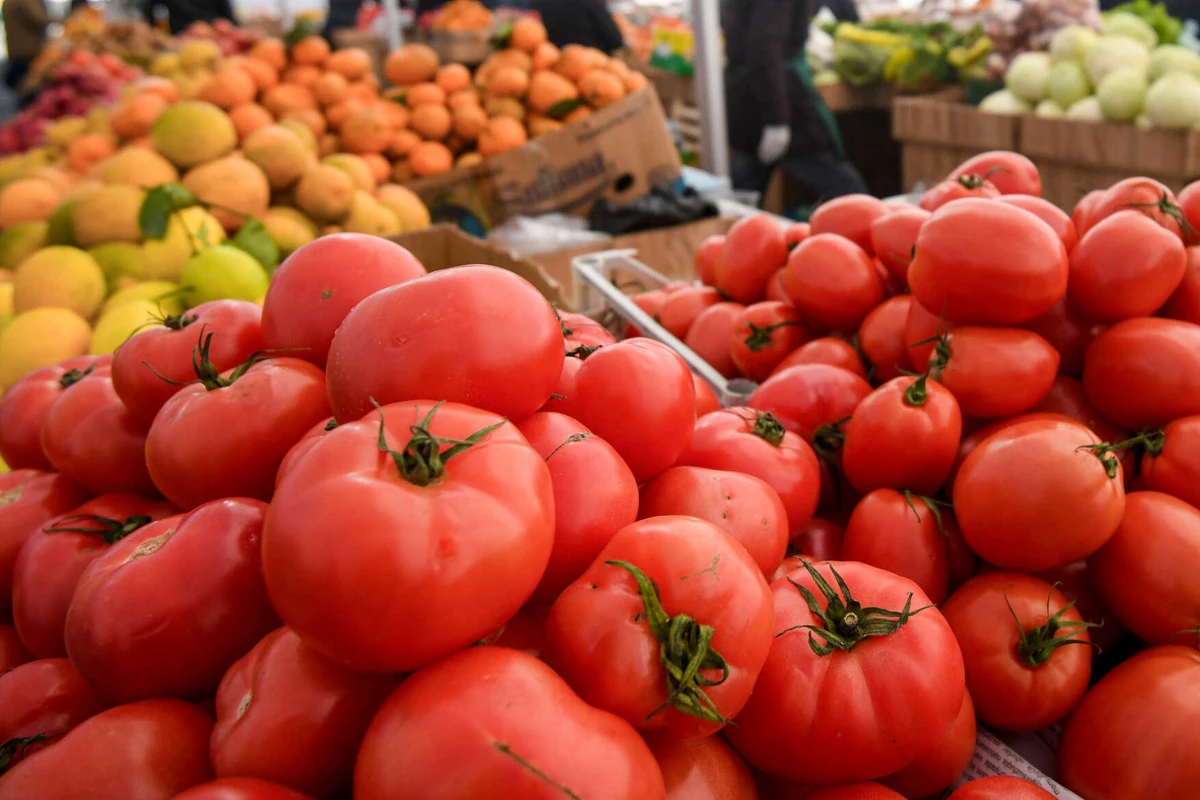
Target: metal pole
710,86
391,17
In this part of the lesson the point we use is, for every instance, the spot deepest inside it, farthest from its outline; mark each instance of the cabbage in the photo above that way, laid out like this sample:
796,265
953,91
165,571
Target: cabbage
1004,102
1112,52
1068,83
1174,101
1143,123
1123,93
1087,109
1172,58
1049,108
1120,23
1027,76
1072,43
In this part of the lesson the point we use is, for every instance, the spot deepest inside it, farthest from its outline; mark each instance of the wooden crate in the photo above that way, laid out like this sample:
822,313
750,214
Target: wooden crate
938,132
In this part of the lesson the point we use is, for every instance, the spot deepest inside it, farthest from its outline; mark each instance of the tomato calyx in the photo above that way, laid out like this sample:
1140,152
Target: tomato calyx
572,439
972,181
1149,441
422,462
768,428
844,621
934,505
583,351
177,322
685,650
506,750
759,337
74,376
16,748
110,530
828,439
1038,645
1168,207
333,423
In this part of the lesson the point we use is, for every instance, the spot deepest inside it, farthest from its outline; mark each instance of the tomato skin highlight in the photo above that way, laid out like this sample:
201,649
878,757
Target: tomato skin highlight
832,282
240,789
427,739
943,765
997,372
1145,196
885,531
850,216
808,396
893,237
23,408
959,188
708,254
1145,373
710,334
1000,787
1048,213
882,337
754,250
1011,173
826,350
48,696
702,769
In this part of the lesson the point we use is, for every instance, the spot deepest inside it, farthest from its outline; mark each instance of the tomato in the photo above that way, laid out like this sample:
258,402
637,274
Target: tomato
459,334
681,580
44,699
12,653
857,791
922,330
850,216
881,337
1126,266
986,263
95,441
702,769
55,556
134,634
979,435
306,443
650,302
879,446
583,331
1048,213
1067,397
1011,173
763,337
478,533
1145,708
283,691
165,351
492,722
756,443
1172,465
904,683
904,534
754,250
23,409
1068,333
649,427
1189,203
820,540
743,506
1000,787
996,372
893,237
708,255
151,749
526,631
1145,196
775,290
808,396
315,287
826,350
958,188
595,495
240,789
1074,581
1145,373
680,309
28,498
1185,303
710,334
1033,496
832,282
706,399
796,233
945,763
1083,212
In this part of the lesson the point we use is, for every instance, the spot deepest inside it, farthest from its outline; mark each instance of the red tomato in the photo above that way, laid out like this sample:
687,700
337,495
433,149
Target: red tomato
706,399
1145,373
12,653
958,188
1026,648
849,216
301,447
43,699
922,330
492,722
826,350
95,441
857,791
1020,273
284,691
796,233
743,506
56,555
1082,214
708,256
945,763
996,372
1189,203
165,351
904,534
821,540
1185,303
650,302
526,631
1000,787
649,427
754,250
1146,706
1172,465
905,684
1145,196
806,397
595,495
681,580
763,336
478,536
879,446
1048,213
832,282
1068,333
227,434
1011,173
23,409
1126,266
151,749
1145,572
28,498
682,308
702,769
1068,398
979,435
710,334
1033,497
1074,581
134,634
583,331
882,337
754,442
459,334
893,237
240,789
775,291
316,287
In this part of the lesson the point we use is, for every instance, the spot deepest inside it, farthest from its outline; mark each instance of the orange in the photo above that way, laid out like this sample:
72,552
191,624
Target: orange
309,118
286,97
159,86
425,94
87,150
635,82
505,107
328,145
302,75
331,88
430,158
617,67
364,91
27,200
548,89
411,64
402,143
380,167
338,113
576,61
465,97
431,122
527,34
501,135
546,56
469,122
512,58
228,88
397,115
248,118
134,117
366,131
581,113
311,50
265,76
601,88
269,51
351,63
508,82
453,78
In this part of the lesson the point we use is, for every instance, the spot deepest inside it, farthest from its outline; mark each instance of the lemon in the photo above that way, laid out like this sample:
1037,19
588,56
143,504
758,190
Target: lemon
39,338
6,297
223,273
118,260
166,297
20,241
120,322
109,214
189,232
59,277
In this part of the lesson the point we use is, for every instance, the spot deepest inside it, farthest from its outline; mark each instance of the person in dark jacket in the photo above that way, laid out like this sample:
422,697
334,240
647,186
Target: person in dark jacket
585,22
25,23
776,117
181,13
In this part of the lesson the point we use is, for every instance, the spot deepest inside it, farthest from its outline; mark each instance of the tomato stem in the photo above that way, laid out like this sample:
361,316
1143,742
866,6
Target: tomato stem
972,181
685,649
16,748
768,428
74,376
1172,210
1151,441
1039,644
935,507
110,530
423,461
333,423
759,337
572,439
828,439
178,322
583,351
503,748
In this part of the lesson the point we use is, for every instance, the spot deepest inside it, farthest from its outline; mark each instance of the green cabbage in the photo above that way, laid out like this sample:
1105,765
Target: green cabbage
1169,58
1072,43
1122,94
1028,75
1049,108
1087,109
1112,52
1004,102
1068,83
1173,101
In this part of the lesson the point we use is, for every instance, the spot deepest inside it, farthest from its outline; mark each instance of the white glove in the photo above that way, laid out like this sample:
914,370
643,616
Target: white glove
776,139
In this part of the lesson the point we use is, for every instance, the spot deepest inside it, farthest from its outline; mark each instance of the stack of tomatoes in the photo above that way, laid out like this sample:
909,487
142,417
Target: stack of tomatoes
407,535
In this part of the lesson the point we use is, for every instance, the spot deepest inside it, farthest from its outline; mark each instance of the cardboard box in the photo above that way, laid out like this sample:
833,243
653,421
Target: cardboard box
619,152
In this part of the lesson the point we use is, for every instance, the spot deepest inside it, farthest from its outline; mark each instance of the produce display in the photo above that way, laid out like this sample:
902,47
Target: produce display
458,16
913,56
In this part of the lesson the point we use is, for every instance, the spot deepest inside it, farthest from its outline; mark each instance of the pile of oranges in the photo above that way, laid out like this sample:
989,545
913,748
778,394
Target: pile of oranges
459,16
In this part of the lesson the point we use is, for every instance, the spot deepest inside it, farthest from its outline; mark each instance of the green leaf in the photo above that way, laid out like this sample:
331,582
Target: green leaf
160,203
254,239
503,35
301,30
564,107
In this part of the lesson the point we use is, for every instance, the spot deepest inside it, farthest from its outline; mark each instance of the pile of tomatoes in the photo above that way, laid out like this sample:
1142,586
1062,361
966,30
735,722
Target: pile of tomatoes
405,535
